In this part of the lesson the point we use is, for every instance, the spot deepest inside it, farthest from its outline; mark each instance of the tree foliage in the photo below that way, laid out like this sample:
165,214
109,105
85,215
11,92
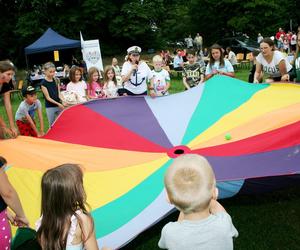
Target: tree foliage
150,24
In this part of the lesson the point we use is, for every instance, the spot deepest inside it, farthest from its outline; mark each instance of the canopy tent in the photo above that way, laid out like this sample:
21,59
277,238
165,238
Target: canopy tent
50,41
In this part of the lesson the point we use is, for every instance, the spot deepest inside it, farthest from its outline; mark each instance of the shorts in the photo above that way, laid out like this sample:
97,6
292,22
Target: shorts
25,129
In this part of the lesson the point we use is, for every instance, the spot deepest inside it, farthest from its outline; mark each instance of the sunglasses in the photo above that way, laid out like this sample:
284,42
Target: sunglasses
135,54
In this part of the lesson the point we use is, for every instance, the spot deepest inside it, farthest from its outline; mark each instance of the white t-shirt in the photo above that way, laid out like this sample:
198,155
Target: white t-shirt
160,79
214,232
232,58
111,90
137,82
294,39
272,68
79,88
227,67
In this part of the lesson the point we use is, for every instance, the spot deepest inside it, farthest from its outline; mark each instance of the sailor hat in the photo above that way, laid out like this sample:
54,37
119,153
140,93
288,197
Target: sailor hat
134,49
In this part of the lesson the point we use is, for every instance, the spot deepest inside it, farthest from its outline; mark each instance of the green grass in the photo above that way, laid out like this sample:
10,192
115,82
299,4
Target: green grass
266,221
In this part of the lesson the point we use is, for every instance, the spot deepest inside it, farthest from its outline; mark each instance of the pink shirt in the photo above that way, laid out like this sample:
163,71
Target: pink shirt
92,87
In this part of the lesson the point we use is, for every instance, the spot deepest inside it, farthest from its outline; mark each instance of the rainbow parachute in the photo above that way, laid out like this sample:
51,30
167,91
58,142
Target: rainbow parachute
126,144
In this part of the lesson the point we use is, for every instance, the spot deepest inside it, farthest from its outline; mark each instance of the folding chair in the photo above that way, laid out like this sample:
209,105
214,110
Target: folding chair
246,62
17,91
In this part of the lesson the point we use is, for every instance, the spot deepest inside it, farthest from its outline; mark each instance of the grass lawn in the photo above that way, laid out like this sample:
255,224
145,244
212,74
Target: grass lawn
266,221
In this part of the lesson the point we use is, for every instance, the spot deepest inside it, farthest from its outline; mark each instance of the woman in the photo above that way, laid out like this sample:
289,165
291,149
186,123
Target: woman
9,198
7,70
218,65
272,63
135,74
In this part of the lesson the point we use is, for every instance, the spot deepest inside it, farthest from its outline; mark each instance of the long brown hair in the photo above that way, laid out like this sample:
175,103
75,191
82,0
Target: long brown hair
109,68
211,59
62,195
91,71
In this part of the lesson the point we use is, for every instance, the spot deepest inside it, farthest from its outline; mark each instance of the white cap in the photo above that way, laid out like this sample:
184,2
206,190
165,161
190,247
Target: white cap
134,49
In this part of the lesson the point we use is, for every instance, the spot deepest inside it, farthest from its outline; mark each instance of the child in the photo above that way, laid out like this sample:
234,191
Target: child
110,82
252,58
76,84
94,89
25,114
193,73
217,64
160,82
65,222
51,90
203,223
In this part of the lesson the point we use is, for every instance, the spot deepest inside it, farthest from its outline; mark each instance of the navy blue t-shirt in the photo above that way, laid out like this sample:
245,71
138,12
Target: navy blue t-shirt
53,92
6,87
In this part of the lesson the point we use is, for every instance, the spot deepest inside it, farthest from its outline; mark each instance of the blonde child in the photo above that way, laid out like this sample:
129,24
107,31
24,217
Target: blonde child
110,82
77,85
65,222
94,88
51,90
25,114
203,223
160,82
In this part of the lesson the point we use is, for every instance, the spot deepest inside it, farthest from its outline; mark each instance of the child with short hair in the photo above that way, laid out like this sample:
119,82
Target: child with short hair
160,82
203,223
76,84
94,88
193,72
25,114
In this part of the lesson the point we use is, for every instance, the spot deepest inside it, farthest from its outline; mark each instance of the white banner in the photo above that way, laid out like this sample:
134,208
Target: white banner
91,53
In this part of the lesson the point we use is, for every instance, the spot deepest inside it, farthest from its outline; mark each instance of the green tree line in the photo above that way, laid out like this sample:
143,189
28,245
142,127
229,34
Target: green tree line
150,24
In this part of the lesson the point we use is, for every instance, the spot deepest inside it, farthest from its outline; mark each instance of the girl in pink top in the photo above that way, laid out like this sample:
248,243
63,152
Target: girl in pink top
94,87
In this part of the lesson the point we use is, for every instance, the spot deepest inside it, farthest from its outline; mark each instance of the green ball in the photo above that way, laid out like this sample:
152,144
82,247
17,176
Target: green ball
228,137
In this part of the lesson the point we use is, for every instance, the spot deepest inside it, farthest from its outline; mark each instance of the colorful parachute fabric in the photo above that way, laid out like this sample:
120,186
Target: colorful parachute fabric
126,145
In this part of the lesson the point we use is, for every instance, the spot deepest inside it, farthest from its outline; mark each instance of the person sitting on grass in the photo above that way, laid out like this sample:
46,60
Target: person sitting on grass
203,223
160,82
217,64
193,73
25,114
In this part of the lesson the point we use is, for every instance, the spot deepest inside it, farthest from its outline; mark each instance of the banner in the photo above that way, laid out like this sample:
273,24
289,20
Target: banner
91,53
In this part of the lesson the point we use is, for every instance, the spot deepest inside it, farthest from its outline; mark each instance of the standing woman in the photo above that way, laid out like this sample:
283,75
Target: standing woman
218,65
271,62
7,70
135,73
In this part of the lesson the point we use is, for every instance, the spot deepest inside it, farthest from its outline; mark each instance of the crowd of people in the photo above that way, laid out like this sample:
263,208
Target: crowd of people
70,225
